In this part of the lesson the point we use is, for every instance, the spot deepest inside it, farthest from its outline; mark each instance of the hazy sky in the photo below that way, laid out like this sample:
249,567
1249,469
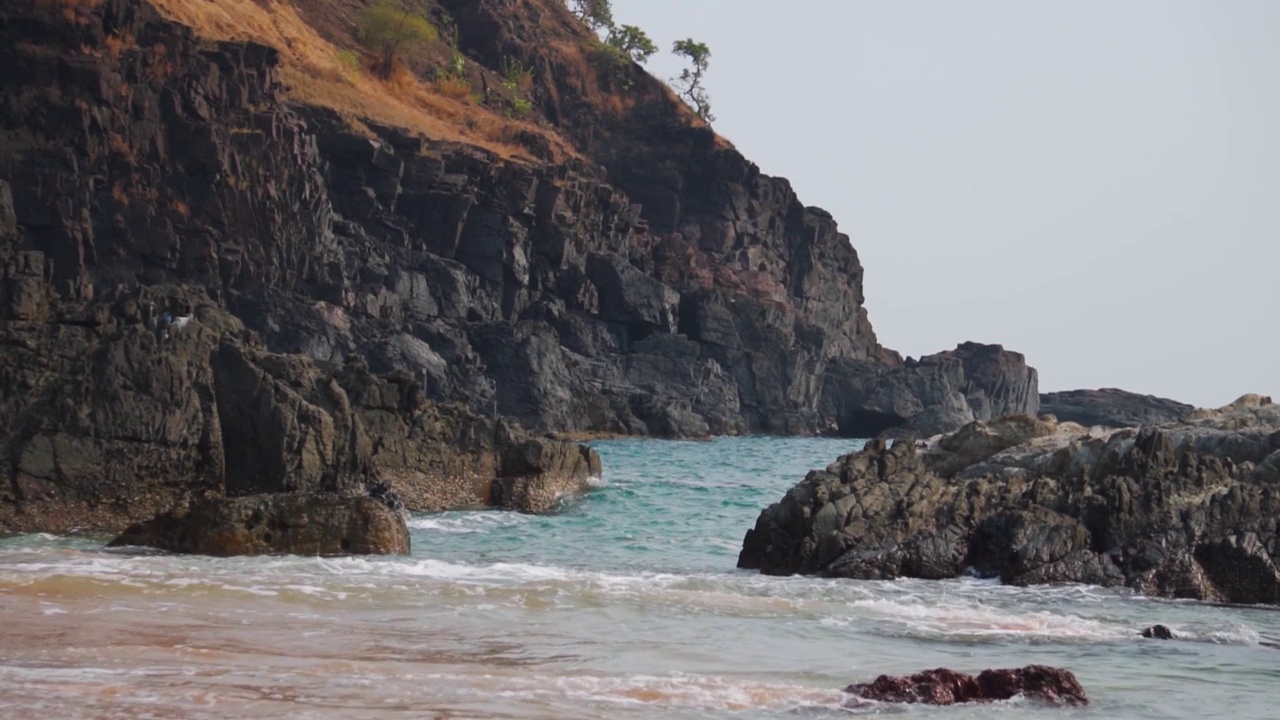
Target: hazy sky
1094,183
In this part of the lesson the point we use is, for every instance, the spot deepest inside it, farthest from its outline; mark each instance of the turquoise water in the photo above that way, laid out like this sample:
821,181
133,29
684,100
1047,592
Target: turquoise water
625,604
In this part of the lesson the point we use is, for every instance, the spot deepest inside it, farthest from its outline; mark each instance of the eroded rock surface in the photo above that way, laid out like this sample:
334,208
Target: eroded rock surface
1185,510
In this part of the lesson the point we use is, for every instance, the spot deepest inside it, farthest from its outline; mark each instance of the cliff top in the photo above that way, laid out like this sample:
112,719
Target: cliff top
526,100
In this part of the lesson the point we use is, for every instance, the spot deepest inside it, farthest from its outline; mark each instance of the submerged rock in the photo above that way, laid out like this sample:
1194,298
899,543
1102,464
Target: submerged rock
948,687
279,524
1184,511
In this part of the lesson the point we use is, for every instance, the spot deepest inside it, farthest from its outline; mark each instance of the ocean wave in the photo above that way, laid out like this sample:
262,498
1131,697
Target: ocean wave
678,690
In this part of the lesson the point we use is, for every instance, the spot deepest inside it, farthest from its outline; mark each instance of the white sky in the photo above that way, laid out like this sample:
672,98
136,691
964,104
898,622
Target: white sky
1094,183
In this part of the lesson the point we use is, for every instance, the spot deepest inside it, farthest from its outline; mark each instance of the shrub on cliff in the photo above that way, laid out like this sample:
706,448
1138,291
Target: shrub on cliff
386,28
632,42
689,84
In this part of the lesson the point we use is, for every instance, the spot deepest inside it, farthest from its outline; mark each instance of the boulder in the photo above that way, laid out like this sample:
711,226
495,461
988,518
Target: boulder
536,473
1157,632
1177,510
948,687
276,524
1110,407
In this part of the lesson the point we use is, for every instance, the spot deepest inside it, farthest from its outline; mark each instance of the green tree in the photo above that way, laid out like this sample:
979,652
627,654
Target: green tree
386,28
689,84
632,42
597,14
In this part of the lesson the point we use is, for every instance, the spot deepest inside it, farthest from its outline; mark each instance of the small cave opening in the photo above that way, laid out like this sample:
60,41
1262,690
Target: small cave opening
862,423
639,330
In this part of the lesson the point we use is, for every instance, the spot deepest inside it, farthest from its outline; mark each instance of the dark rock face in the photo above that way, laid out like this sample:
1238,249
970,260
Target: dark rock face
1110,407
948,687
280,524
936,394
1182,511
183,313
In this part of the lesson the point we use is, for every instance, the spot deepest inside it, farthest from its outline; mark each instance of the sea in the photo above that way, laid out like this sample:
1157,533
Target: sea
625,604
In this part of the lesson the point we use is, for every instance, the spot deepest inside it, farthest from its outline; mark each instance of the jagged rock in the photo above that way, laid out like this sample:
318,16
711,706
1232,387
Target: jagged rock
948,687
278,524
936,394
1177,510
1110,407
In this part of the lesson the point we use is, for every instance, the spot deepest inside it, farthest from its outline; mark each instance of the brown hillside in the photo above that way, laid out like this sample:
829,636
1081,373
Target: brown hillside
320,55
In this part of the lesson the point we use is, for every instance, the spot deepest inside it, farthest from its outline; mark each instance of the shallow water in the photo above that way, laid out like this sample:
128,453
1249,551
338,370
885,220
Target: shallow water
627,604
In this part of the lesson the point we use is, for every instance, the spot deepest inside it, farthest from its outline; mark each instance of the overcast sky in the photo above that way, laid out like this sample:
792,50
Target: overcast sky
1094,183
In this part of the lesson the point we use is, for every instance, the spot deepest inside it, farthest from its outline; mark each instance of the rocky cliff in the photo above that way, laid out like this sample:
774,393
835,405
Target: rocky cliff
170,253
217,283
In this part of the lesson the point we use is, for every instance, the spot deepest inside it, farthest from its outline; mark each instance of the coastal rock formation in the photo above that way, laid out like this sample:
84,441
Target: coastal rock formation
212,283
1185,510
1110,407
279,524
948,687
936,394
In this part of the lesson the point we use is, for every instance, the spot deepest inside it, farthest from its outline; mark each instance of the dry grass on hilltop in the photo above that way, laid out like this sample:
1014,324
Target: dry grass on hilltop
316,74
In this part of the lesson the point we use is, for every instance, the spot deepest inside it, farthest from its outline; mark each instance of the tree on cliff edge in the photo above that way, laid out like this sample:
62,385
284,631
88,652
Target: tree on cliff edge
632,42
689,84
386,28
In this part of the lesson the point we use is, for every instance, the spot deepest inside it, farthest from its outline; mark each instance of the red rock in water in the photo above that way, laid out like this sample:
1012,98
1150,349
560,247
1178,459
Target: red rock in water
948,687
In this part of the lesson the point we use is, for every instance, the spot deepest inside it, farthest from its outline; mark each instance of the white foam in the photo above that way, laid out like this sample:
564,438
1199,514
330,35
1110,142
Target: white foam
468,522
1234,635
976,620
